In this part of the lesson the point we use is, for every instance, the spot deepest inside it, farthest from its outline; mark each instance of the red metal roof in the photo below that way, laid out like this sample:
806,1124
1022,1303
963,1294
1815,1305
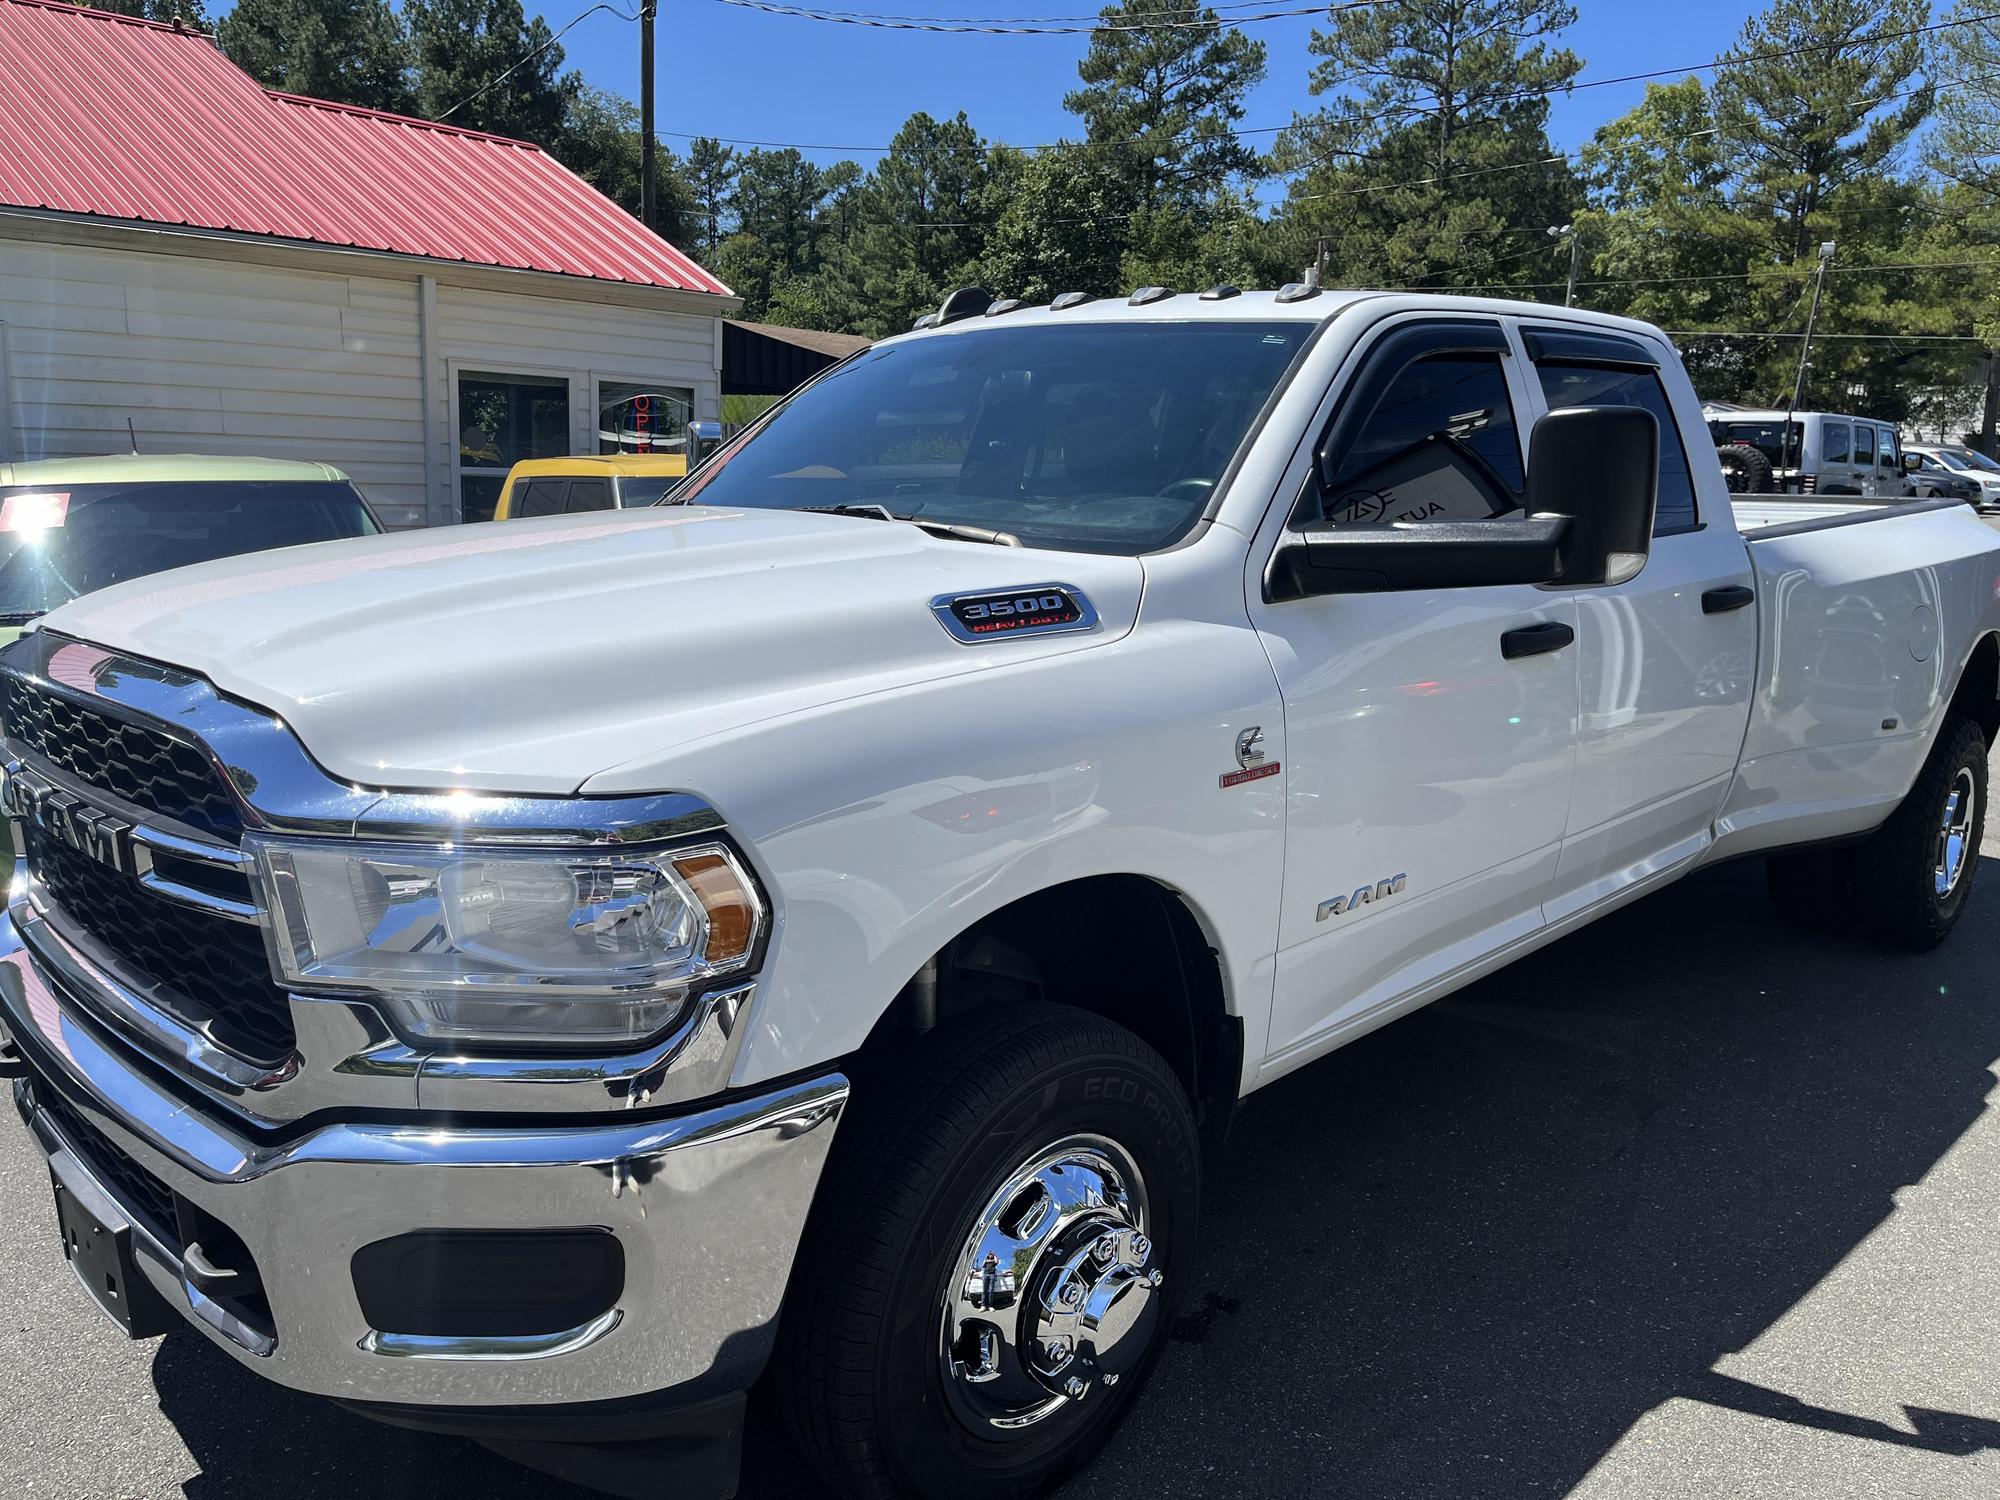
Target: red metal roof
132,120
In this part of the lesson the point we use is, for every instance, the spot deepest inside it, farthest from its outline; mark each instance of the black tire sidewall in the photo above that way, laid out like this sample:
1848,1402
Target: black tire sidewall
1969,753
935,1453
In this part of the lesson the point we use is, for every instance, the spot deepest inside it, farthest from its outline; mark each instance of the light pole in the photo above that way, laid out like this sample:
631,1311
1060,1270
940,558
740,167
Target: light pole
1556,232
1805,356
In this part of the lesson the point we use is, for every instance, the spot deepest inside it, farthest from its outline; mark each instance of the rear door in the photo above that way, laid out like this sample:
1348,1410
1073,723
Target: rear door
1428,773
1666,659
1836,467
1866,480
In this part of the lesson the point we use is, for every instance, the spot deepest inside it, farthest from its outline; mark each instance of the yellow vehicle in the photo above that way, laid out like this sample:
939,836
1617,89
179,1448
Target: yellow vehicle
607,481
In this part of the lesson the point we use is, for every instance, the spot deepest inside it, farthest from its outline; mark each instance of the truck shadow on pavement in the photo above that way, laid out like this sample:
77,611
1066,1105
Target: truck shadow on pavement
1461,1257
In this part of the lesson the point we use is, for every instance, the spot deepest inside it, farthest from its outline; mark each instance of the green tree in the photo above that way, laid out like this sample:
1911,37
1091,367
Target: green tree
921,221
1660,228
711,175
1818,102
462,49
1062,224
350,51
601,143
1163,91
187,12
1433,158
1964,149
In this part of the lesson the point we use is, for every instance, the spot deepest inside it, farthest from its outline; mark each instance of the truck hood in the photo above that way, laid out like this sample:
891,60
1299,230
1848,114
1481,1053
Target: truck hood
525,656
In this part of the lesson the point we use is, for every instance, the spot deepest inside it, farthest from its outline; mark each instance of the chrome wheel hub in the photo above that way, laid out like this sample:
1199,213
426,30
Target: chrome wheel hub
1052,1295
1961,806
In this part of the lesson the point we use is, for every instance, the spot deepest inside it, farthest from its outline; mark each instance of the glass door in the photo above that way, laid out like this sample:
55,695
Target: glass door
503,419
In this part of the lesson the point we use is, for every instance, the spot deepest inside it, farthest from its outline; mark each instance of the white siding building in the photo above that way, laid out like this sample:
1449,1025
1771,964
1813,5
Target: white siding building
421,349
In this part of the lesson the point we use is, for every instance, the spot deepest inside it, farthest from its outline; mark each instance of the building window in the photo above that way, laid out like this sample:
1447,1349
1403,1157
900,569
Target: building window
635,417
503,419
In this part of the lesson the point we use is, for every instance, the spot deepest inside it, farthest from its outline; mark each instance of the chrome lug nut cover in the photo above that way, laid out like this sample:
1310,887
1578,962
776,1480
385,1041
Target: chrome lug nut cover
1052,1291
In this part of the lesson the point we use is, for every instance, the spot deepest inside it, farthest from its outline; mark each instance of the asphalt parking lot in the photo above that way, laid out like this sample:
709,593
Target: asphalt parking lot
1687,1204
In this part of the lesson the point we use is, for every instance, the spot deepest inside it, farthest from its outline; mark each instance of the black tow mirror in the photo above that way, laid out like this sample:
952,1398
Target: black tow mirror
1418,555
1599,466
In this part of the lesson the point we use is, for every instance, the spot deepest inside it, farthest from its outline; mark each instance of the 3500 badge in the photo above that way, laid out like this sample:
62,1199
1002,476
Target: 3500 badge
1037,609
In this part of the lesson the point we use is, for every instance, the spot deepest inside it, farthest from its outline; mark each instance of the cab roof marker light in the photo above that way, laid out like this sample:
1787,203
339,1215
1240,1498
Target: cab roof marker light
1004,305
1221,293
966,302
1297,291
1071,299
928,320
1149,294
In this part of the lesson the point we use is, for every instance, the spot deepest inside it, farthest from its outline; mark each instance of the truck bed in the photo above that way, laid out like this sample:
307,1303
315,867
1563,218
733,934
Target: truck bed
1865,614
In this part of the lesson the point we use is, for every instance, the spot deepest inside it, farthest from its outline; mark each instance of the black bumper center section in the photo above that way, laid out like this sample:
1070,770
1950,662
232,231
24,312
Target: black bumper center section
471,1283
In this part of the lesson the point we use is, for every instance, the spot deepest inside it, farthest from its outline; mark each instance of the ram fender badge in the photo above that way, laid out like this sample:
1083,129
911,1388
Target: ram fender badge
1366,895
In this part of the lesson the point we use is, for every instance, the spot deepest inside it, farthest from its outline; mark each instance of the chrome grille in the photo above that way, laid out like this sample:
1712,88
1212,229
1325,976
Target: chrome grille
148,769
215,969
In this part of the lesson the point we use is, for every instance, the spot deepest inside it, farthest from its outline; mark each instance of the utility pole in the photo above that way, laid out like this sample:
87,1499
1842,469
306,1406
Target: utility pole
647,145
1805,355
1557,231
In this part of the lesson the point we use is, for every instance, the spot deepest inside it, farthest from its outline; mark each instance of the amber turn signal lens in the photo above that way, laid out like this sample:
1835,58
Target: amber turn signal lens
732,913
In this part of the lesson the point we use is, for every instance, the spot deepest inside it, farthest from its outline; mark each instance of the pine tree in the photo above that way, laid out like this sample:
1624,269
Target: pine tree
1820,96
350,51
711,174
1433,163
1164,87
461,47
186,13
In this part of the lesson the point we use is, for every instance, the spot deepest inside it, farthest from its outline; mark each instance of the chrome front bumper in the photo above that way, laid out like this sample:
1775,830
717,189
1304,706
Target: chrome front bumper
708,1208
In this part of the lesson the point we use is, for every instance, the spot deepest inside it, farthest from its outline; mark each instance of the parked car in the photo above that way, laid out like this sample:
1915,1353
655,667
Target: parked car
69,526
1978,474
590,481
823,942
1936,481
1820,453
607,481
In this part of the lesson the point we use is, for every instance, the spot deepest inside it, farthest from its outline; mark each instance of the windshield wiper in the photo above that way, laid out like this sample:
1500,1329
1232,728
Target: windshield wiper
956,529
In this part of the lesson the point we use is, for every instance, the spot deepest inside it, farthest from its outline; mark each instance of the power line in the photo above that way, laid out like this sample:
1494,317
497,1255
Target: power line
1241,132
1818,336
1036,25
530,56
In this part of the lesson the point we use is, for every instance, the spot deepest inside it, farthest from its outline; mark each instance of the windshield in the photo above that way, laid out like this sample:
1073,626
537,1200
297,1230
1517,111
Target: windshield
58,543
646,490
1967,458
1099,437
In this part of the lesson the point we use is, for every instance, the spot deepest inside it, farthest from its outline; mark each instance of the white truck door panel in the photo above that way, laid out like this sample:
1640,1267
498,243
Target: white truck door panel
1428,775
1666,660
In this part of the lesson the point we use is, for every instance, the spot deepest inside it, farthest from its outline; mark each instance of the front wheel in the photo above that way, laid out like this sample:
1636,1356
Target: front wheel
988,1277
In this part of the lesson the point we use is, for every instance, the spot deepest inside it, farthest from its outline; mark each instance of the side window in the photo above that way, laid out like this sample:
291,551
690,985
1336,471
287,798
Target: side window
1568,385
589,494
1440,444
1834,439
1891,459
541,497
1864,446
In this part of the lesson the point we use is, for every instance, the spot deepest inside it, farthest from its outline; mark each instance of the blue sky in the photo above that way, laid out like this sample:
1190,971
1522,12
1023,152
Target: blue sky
728,71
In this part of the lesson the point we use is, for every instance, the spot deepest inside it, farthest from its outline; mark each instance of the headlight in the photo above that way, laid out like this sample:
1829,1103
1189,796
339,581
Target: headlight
508,945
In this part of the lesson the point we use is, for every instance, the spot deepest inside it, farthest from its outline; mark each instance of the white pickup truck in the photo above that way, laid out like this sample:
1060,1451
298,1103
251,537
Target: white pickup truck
439,963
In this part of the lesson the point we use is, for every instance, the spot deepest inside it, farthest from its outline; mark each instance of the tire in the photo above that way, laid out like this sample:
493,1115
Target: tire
1900,871
876,1393
1746,470
1810,887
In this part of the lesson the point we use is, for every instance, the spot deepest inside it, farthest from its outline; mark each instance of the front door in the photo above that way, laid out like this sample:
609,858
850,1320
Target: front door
1667,659
1428,770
